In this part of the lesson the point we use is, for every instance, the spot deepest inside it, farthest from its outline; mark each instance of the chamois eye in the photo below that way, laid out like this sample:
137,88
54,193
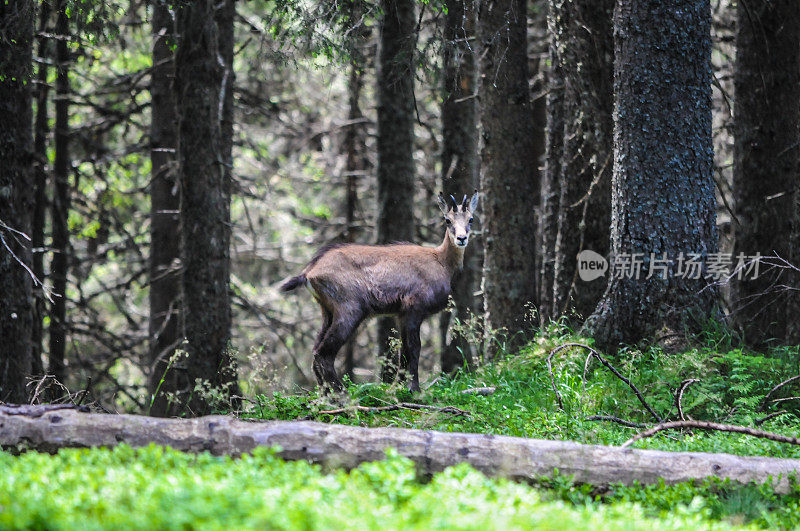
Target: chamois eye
447,220
470,220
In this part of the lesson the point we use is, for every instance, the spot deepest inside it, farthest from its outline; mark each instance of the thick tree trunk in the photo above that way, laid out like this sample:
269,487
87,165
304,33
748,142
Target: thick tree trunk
208,371
16,199
395,144
349,446
663,192
583,38
164,219
40,203
509,180
59,267
460,164
767,162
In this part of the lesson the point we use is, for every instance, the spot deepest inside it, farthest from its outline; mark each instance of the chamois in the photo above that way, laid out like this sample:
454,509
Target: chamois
351,282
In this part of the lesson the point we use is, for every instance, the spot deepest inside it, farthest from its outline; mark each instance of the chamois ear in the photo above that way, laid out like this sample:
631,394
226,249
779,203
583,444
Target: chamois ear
442,204
473,203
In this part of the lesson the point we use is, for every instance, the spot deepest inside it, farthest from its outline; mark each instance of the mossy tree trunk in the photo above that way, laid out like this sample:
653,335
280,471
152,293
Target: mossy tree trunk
16,199
767,163
509,176
395,89
662,189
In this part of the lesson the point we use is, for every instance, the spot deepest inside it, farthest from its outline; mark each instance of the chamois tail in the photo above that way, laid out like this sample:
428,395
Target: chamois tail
293,283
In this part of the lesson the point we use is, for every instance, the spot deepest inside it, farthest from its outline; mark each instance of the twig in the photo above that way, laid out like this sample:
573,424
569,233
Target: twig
776,389
610,367
733,410
779,400
395,407
36,282
618,420
762,420
49,379
679,395
85,391
712,426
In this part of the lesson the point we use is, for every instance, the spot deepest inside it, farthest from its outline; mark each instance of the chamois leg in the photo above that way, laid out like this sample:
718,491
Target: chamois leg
327,319
340,330
409,331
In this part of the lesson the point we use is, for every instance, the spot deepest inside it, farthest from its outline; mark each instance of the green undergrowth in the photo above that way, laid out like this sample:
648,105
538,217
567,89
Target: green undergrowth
158,488
732,385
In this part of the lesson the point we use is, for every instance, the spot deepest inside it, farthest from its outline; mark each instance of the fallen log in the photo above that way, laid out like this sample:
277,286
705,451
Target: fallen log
348,446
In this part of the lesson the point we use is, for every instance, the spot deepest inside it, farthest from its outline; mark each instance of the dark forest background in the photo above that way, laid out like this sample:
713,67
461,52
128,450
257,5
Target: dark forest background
166,164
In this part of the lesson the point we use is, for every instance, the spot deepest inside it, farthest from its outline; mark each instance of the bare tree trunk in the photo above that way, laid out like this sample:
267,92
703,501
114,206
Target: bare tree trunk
59,268
663,191
767,162
209,372
164,219
584,43
395,144
509,180
551,177
460,164
16,199
225,14
41,129
354,147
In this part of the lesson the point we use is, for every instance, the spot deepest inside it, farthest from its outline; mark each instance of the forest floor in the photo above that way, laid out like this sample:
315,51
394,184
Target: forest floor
160,488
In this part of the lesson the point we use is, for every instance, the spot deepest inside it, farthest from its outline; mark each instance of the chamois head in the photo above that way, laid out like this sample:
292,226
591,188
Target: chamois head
458,218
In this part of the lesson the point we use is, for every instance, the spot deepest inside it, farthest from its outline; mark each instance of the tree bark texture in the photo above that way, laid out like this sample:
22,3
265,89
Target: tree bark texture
349,446
16,198
208,368
354,146
165,280
509,176
395,220
460,164
662,190
584,49
59,267
550,195
767,163
224,15
40,202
